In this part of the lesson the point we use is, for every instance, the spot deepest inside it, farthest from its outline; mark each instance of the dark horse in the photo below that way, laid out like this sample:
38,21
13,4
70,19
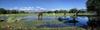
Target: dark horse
40,14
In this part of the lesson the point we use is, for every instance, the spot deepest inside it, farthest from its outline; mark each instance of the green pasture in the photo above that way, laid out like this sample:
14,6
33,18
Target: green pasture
21,25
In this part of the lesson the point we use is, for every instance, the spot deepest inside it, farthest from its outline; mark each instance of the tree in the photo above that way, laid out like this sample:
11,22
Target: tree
73,10
62,11
80,11
50,12
3,11
14,11
22,12
94,5
56,11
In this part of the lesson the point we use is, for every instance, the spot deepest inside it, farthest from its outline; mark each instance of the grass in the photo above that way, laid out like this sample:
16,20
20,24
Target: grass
25,26
22,25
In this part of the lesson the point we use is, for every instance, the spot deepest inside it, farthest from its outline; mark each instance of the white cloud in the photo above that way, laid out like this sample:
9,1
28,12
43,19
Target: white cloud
39,9
36,9
22,8
26,8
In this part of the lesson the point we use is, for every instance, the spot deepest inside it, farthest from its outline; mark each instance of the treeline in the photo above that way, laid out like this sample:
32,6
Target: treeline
4,11
74,10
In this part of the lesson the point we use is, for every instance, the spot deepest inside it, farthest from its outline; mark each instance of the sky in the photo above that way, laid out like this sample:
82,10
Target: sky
42,4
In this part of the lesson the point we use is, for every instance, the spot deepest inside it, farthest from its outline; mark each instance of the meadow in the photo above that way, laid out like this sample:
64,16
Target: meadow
12,24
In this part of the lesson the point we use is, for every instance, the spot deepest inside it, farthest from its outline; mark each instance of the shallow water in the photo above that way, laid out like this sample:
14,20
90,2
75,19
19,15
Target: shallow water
31,18
82,20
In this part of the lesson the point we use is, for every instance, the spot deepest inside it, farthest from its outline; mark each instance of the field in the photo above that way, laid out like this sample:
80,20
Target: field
12,24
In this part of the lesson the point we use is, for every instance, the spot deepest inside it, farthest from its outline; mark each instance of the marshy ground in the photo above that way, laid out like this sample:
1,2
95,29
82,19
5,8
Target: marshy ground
19,22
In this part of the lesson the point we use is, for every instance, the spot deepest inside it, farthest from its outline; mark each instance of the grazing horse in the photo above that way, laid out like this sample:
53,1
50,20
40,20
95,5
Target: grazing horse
40,14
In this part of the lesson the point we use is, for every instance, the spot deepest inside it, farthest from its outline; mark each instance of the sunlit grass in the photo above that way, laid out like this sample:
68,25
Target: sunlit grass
23,26
12,24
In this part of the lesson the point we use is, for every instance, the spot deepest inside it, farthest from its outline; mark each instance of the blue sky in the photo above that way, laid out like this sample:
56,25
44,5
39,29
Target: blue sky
42,4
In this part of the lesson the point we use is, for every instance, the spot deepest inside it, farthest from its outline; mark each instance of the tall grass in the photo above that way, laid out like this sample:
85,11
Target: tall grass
12,24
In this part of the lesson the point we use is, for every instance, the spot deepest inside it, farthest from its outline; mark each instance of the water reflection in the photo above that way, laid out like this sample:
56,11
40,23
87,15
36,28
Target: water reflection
82,20
31,18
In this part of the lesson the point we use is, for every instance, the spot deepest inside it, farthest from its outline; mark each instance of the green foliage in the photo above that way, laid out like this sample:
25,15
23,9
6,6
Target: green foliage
93,5
73,10
56,11
4,11
50,12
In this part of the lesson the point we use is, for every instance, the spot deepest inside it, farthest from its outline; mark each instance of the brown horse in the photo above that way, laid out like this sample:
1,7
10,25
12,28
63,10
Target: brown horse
40,14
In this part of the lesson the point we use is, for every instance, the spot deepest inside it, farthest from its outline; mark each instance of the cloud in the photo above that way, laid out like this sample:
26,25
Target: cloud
22,8
29,9
26,8
39,9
